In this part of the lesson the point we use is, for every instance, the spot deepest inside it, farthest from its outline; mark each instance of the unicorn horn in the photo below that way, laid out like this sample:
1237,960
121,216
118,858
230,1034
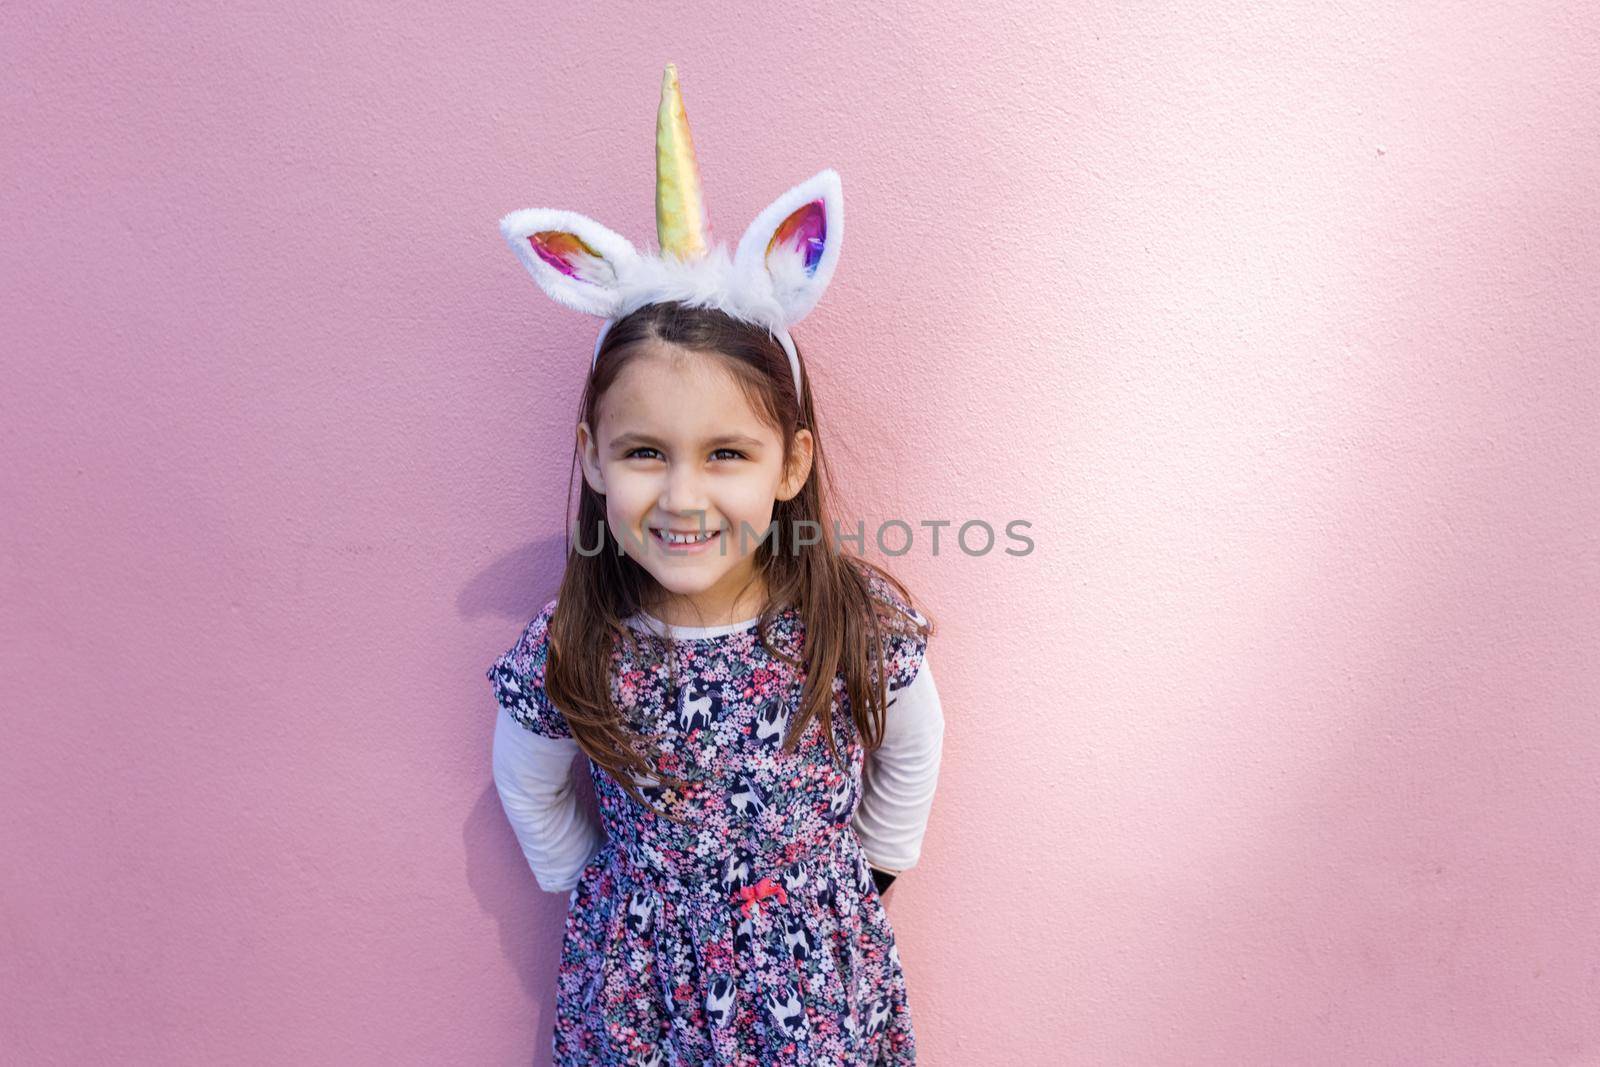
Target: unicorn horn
681,222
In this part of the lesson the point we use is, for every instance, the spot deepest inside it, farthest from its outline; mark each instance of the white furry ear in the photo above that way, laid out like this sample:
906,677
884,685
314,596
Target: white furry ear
578,262
794,243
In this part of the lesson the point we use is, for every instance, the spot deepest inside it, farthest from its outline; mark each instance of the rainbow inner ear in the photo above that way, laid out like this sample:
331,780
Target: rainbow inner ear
805,231
567,253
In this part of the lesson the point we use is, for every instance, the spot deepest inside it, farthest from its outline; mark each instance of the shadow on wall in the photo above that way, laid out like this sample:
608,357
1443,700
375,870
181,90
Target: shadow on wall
530,922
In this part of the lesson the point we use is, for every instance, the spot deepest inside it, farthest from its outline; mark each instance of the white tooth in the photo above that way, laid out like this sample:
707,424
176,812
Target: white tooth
684,539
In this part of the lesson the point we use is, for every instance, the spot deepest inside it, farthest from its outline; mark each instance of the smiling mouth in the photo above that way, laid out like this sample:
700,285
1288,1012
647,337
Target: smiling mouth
684,539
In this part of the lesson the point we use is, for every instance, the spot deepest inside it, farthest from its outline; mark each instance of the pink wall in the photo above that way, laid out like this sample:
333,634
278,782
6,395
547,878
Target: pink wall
1278,322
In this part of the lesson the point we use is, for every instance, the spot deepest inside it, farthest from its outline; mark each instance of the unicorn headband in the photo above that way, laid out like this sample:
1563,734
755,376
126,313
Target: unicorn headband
779,271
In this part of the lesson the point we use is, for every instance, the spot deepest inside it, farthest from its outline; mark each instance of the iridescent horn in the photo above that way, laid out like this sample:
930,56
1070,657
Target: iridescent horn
681,222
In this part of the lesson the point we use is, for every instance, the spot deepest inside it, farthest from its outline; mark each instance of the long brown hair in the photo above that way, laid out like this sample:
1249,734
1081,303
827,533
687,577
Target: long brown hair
846,624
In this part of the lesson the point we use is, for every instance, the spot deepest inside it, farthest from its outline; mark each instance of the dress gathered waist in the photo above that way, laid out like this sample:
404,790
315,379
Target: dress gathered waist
736,864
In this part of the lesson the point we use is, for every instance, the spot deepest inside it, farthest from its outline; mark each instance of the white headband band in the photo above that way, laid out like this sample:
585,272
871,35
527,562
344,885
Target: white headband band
782,336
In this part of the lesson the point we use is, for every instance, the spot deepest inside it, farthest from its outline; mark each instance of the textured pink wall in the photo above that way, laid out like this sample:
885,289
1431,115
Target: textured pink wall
1279,322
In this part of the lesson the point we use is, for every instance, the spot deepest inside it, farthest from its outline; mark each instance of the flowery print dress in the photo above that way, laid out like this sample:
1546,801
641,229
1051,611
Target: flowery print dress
753,934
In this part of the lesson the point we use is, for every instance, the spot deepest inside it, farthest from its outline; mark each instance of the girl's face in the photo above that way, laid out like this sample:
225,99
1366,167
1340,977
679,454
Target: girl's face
678,448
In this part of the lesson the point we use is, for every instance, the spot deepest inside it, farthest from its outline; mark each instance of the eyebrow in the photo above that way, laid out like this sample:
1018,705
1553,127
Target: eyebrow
630,440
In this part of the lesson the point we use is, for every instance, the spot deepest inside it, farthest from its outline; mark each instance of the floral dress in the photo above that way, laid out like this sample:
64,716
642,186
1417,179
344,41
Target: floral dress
752,934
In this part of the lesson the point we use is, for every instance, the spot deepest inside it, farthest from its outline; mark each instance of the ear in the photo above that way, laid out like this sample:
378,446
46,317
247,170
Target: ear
799,469
589,459
577,261
794,243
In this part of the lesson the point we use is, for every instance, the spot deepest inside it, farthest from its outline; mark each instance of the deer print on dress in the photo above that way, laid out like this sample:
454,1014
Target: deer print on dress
787,1012
719,1001
841,801
771,721
641,911
698,706
747,800
796,939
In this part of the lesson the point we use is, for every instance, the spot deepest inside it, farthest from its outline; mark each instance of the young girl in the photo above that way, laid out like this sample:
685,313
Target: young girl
756,707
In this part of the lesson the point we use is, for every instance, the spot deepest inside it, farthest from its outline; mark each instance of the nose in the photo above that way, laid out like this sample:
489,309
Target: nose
683,493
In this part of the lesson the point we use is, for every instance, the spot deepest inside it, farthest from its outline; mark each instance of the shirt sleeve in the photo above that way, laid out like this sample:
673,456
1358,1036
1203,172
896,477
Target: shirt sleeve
900,776
518,680
533,774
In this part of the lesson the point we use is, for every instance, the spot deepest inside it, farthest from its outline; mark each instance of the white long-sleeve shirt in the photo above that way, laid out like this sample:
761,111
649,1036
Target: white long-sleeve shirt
535,775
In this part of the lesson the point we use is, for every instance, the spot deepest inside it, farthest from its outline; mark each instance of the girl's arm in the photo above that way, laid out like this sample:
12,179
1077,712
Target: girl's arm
533,775
899,779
